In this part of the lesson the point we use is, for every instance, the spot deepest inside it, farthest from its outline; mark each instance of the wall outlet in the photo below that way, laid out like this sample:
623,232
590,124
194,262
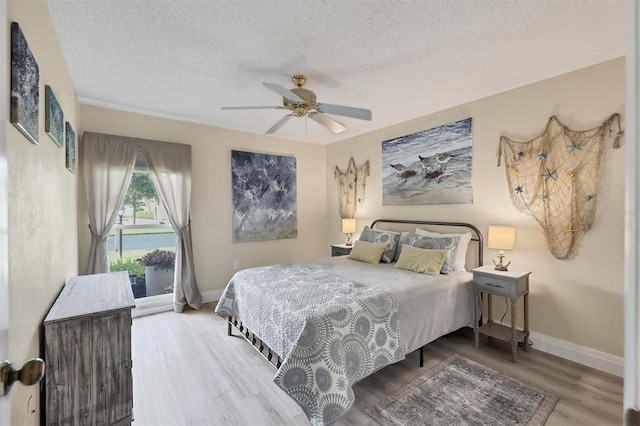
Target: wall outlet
236,265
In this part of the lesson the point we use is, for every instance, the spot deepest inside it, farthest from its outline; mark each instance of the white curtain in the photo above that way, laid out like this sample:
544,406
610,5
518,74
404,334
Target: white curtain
170,167
108,165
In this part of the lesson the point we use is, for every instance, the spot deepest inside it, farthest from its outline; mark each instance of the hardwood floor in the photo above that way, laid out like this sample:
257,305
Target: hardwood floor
187,371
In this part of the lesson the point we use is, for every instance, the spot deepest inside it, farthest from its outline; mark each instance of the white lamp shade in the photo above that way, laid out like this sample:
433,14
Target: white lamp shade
501,237
348,226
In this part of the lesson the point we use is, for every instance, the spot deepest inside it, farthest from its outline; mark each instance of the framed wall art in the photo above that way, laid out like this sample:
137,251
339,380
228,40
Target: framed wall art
432,166
25,80
53,117
264,197
70,148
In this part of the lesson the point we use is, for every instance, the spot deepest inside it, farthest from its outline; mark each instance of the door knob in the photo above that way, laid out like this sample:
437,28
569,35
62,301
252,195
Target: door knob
30,374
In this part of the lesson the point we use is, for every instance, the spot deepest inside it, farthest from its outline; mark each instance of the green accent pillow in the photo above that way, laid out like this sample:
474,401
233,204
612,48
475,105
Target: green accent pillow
367,252
425,261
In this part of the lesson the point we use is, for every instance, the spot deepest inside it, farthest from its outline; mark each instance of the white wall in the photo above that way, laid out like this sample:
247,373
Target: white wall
211,192
43,238
579,300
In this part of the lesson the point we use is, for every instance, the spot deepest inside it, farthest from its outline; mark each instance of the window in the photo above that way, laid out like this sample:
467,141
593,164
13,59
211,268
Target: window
142,234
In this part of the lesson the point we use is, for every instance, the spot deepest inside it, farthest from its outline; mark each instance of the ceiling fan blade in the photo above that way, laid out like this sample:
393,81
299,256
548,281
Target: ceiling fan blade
253,107
280,90
279,124
327,122
359,113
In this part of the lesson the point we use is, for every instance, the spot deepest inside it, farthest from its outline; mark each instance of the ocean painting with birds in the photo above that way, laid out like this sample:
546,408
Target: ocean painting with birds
432,166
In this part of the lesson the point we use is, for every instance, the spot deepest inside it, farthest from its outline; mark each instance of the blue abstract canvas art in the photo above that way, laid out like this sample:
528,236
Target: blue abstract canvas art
70,148
53,117
25,80
428,167
264,196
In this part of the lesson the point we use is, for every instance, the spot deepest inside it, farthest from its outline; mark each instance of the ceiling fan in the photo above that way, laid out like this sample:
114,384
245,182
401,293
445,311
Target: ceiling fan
302,103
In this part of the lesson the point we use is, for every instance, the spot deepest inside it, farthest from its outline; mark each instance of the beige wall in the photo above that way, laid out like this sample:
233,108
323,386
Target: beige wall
43,239
211,192
579,300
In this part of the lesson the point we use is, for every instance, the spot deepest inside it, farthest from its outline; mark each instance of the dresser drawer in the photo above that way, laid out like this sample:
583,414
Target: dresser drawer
505,288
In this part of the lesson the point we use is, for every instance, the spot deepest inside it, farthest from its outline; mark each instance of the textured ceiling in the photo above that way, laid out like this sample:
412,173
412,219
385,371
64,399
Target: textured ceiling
185,59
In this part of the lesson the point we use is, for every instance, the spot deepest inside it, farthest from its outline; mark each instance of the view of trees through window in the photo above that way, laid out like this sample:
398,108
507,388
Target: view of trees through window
141,196
142,241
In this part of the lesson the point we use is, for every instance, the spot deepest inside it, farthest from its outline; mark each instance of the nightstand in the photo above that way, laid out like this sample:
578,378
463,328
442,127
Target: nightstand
340,249
511,285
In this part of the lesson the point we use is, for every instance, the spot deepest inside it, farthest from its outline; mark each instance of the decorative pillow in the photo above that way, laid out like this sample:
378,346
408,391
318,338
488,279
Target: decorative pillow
443,243
388,237
404,239
365,251
460,255
425,261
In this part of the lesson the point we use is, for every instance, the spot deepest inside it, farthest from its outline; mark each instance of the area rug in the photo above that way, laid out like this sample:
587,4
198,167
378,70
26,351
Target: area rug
459,391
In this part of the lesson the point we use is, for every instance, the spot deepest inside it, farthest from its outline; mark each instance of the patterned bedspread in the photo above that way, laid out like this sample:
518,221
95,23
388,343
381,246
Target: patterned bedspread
330,331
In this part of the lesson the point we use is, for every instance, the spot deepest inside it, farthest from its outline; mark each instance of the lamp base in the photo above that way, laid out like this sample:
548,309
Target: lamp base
349,243
500,266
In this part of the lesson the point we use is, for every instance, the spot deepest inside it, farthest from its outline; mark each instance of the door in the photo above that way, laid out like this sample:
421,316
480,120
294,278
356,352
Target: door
32,371
5,414
632,223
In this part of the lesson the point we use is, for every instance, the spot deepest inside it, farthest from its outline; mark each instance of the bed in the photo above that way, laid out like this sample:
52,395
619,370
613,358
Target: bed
329,323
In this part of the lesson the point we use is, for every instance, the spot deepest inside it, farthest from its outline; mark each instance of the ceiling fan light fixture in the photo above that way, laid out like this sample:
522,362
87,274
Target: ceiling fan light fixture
308,100
302,103
300,110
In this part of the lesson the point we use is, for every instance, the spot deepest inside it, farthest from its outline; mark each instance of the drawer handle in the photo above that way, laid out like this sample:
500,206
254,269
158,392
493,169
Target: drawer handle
493,285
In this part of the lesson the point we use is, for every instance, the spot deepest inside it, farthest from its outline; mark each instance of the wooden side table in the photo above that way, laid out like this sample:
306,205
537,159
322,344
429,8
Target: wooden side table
340,249
511,285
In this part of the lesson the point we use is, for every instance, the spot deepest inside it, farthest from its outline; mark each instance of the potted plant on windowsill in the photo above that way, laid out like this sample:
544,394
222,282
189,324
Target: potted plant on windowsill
158,270
136,274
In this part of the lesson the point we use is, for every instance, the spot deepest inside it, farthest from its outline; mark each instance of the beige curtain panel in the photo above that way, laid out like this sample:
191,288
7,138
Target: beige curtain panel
108,165
170,167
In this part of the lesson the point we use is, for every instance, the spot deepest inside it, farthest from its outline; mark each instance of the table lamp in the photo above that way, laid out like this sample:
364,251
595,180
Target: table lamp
501,238
348,227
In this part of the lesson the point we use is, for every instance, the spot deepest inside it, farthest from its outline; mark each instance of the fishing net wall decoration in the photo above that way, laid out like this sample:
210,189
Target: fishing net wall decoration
555,179
351,185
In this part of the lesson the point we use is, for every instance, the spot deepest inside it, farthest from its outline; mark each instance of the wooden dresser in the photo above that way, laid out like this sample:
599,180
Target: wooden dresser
87,336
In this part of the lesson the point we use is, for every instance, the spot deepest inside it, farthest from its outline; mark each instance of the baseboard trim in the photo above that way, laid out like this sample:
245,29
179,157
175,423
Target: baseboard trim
164,303
602,361
211,296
